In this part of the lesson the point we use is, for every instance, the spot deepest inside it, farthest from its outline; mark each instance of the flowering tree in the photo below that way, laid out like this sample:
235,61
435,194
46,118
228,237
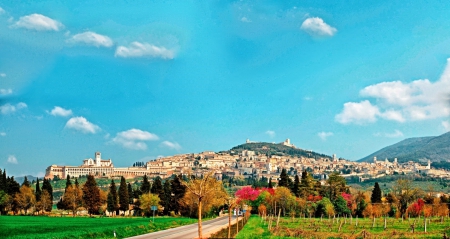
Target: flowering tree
247,194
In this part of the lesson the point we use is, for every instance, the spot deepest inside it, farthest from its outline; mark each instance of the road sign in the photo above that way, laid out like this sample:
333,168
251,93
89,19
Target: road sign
154,208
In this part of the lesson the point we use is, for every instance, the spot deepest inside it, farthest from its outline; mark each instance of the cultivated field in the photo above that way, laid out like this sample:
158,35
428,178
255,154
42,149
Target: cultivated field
83,227
345,228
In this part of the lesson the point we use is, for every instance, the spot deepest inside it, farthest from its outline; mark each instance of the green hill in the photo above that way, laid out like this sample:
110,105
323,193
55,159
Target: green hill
275,149
435,148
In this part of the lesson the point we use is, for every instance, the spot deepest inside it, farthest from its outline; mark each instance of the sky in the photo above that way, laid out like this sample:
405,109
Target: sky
136,80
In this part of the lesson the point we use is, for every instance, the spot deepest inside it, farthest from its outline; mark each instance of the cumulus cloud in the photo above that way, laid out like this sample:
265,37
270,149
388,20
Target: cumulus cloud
91,38
9,108
244,19
38,22
2,134
171,145
12,159
134,139
82,124
402,102
137,49
315,26
2,75
358,113
6,91
59,111
271,133
324,135
2,11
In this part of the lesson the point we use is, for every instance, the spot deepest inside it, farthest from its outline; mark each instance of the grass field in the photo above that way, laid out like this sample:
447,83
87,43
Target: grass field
83,227
325,228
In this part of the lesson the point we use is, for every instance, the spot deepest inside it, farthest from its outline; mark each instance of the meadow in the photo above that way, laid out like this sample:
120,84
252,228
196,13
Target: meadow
83,227
345,228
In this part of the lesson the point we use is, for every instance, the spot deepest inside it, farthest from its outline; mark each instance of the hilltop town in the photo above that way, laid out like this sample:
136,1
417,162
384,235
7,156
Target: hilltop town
243,163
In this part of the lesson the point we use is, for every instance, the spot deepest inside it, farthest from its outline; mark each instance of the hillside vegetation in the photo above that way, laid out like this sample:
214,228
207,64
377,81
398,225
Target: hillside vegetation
415,149
276,149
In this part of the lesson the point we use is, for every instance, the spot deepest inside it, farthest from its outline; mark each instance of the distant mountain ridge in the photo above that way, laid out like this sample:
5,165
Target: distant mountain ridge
434,148
275,149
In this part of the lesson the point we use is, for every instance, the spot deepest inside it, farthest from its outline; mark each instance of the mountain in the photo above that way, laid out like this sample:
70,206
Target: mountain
434,148
275,149
29,177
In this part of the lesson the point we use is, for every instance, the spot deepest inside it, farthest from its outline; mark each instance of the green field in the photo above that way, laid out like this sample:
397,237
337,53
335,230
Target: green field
83,227
325,228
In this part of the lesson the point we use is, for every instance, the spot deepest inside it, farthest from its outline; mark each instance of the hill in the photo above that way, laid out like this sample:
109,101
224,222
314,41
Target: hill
275,149
435,148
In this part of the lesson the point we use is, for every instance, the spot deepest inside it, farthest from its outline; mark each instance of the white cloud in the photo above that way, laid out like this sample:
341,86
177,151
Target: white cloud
413,101
358,113
324,135
91,38
244,19
171,145
2,134
12,159
315,26
6,91
137,49
9,108
2,11
395,134
271,133
38,22
2,75
446,125
81,124
58,111
133,139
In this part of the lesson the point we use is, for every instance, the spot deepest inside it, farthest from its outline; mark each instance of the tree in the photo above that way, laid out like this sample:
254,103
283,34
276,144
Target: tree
91,195
145,186
47,186
130,193
336,184
178,191
206,192
68,183
124,199
26,182
376,194
25,199
3,200
38,192
405,193
147,201
157,187
284,181
73,199
166,197
270,183
340,206
45,200
296,188
112,204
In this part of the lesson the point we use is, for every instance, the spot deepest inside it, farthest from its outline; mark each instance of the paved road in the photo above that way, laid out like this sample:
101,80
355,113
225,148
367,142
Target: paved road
189,231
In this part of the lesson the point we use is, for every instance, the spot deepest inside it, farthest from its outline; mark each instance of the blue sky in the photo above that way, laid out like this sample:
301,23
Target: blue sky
139,80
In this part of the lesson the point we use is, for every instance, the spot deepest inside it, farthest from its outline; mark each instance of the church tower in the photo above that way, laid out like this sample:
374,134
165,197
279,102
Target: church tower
98,157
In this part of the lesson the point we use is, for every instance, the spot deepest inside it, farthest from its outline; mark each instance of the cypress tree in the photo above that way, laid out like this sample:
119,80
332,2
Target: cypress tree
145,187
270,183
68,183
178,190
157,186
91,195
25,182
123,195
2,184
130,193
376,194
111,202
37,193
296,188
166,197
284,179
46,185
76,183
